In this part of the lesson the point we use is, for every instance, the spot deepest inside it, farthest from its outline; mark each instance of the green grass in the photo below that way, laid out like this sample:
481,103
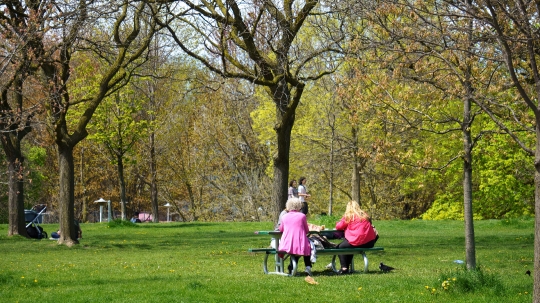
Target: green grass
209,262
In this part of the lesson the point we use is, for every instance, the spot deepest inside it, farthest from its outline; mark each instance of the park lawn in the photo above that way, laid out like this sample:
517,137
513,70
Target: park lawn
209,262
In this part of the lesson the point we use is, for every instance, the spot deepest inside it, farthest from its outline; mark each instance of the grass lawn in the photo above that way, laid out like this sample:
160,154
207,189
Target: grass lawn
209,262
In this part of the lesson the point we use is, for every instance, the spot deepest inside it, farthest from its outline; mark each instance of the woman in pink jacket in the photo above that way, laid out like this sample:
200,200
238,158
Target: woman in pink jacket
358,233
295,230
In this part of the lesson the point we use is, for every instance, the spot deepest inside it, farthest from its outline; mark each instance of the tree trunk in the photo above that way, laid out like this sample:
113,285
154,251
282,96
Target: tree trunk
84,211
153,179
119,158
66,199
536,271
331,189
355,179
281,167
12,121
470,250
17,224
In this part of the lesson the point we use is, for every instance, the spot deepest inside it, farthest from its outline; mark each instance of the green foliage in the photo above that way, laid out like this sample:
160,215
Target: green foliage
264,118
117,124
36,162
447,206
506,180
503,183
36,155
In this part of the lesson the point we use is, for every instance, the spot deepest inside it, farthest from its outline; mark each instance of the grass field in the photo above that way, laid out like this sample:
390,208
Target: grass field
209,262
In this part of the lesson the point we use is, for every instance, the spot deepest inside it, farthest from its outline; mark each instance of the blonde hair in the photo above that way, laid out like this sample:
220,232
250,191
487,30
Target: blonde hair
294,204
354,211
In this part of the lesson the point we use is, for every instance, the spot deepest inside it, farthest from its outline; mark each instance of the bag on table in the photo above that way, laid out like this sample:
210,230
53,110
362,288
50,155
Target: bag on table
324,242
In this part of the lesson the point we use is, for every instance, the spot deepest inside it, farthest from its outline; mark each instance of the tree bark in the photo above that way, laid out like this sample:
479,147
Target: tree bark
331,189
84,210
536,271
12,121
355,179
68,232
17,224
122,184
281,166
470,250
153,179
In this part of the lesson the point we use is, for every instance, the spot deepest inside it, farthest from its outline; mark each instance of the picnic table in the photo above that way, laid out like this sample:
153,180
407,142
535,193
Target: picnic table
280,257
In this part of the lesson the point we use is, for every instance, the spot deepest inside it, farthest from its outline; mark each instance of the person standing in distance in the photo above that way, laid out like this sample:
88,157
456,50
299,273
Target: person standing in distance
293,191
303,195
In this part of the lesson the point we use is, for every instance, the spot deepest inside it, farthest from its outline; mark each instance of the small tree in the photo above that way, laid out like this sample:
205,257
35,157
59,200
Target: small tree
512,26
118,127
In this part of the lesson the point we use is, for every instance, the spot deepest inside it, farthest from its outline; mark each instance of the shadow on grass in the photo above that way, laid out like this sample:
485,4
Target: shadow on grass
329,273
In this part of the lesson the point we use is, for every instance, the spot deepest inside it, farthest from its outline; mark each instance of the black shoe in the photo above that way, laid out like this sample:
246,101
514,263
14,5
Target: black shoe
343,272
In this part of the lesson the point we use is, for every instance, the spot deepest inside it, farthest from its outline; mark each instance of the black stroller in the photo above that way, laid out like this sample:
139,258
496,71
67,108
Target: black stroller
33,218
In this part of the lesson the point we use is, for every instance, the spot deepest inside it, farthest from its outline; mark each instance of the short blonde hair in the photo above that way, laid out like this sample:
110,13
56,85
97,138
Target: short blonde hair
294,204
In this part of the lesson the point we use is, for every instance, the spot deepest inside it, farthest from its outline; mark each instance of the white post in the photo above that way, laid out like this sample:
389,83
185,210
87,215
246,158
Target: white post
109,207
101,202
101,213
168,205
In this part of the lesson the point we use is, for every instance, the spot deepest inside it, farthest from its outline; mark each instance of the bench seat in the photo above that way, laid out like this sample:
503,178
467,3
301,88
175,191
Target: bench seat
281,256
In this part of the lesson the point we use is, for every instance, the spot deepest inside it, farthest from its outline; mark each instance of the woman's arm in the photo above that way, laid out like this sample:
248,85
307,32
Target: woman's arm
341,224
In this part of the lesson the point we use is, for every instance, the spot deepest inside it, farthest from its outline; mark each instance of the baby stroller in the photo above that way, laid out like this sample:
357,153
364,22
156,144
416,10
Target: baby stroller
33,217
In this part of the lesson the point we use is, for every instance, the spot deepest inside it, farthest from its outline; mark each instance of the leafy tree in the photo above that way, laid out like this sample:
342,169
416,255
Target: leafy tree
214,168
504,186
438,46
118,126
262,42
512,27
20,25
127,41
157,87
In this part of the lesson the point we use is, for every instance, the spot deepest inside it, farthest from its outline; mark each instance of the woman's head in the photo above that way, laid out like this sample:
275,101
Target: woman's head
353,210
293,204
292,183
302,179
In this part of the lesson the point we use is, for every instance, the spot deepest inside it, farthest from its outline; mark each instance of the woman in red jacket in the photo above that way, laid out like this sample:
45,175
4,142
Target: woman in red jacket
358,233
